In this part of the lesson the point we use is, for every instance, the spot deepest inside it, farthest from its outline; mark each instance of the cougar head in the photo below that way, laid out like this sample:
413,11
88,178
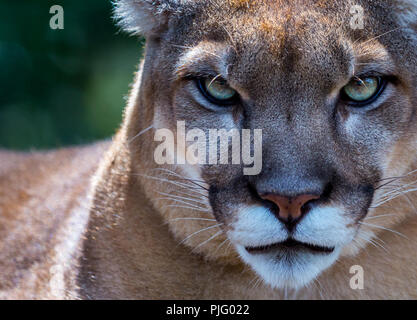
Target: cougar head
336,105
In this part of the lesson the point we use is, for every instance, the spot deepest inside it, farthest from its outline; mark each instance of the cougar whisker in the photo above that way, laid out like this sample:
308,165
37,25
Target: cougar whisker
185,207
191,218
183,198
182,202
140,133
382,228
199,231
209,239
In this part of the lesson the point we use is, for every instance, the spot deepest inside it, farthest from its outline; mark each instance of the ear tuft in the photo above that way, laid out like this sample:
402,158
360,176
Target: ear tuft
144,17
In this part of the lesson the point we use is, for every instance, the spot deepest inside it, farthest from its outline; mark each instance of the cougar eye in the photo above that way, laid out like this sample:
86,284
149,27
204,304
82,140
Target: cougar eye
362,91
217,91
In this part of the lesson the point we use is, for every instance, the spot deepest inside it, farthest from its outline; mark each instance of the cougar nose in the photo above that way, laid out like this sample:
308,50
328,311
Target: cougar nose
290,209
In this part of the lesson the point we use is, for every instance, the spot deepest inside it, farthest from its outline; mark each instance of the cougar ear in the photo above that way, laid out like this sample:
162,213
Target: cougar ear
145,17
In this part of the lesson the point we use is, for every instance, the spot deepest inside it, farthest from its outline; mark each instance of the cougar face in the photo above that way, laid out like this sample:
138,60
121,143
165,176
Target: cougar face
336,106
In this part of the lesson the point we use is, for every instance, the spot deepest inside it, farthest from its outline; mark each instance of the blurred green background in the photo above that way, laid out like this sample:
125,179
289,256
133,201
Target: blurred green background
62,87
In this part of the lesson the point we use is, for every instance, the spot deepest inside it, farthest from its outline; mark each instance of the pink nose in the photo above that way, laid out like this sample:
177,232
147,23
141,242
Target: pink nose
290,209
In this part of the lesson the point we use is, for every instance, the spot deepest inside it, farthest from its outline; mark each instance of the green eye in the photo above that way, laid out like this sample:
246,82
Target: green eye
217,91
362,91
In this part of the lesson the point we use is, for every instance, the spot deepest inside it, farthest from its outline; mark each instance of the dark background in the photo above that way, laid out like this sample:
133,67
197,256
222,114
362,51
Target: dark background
62,87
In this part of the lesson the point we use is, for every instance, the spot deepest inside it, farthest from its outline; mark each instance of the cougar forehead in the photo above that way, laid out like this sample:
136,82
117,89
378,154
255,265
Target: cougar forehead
298,35
288,41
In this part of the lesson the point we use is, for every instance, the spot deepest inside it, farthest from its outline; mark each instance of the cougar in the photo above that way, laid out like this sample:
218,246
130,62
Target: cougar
332,214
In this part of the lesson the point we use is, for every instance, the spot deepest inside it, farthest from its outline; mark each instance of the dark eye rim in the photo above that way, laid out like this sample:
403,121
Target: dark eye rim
200,83
382,84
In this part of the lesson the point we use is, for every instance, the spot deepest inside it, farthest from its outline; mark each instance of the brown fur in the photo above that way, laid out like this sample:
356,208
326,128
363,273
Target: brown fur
125,243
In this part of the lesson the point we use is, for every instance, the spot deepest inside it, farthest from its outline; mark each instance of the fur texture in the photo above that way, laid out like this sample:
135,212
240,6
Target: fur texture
183,231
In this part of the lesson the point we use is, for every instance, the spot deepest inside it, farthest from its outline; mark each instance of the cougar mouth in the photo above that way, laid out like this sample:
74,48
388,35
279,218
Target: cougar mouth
290,244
